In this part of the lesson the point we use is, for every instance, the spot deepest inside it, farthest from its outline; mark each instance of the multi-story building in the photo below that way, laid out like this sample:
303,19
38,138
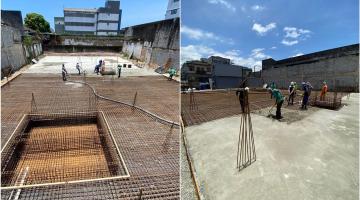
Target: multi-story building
173,9
213,72
102,21
59,25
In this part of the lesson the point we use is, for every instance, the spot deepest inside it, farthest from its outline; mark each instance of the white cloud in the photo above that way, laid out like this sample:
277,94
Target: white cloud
257,8
274,47
259,54
289,42
292,32
262,30
224,3
198,34
195,52
293,35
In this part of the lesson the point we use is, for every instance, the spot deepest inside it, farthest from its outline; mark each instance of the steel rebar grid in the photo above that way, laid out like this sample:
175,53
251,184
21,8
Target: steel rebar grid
140,137
61,148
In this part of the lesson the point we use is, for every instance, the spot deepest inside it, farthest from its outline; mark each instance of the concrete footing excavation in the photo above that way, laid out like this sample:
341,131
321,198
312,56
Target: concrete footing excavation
60,149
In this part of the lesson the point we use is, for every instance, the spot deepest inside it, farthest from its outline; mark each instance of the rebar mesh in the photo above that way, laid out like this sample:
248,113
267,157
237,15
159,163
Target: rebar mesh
61,148
149,148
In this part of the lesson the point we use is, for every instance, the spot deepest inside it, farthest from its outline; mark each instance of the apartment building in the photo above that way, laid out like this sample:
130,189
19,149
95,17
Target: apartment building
101,21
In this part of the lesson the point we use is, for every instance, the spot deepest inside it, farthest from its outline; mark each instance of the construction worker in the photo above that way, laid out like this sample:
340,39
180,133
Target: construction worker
78,68
310,87
97,67
64,72
119,70
291,93
279,100
295,88
272,86
323,91
172,72
241,93
306,95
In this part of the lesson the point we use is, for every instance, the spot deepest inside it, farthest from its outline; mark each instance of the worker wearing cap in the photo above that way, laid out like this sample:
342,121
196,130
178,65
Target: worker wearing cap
291,93
279,100
323,91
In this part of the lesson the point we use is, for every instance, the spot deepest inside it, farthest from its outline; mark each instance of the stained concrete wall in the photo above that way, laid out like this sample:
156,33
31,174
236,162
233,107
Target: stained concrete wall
338,67
155,43
14,54
12,51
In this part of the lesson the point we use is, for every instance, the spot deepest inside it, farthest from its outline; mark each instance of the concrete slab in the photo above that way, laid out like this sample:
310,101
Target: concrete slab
314,158
52,64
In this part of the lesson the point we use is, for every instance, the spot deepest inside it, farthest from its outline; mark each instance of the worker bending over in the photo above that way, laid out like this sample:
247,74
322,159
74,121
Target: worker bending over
279,100
172,73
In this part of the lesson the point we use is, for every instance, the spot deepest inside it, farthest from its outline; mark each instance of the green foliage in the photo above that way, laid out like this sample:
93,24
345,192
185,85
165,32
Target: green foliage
28,40
37,22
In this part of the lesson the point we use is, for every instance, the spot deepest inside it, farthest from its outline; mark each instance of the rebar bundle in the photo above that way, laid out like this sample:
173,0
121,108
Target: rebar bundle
246,146
193,104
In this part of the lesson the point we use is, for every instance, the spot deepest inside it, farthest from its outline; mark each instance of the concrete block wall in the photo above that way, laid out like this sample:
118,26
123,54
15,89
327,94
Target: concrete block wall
341,72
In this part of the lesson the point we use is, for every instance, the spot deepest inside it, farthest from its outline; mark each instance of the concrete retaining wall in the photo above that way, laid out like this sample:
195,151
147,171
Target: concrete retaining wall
156,44
14,54
79,43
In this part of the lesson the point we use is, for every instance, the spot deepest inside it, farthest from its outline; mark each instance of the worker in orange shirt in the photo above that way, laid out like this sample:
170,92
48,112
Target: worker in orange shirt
323,91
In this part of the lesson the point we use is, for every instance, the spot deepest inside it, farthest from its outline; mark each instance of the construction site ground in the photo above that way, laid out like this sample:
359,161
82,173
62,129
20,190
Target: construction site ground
314,156
150,148
52,63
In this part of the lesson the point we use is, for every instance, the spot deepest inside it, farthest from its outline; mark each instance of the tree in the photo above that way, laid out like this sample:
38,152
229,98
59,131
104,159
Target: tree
37,22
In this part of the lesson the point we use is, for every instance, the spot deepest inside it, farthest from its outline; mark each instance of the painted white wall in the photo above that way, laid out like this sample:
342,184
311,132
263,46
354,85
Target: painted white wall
80,19
106,26
80,28
110,16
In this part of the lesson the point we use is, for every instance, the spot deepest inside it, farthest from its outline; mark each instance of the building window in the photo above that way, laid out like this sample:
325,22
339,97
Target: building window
191,68
173,12
176,1
107,23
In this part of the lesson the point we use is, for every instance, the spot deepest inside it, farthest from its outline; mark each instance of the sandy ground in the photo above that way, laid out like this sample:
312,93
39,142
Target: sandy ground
52,64
316,157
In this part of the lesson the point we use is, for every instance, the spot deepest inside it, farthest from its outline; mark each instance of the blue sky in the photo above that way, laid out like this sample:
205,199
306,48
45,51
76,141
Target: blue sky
248,31
134,11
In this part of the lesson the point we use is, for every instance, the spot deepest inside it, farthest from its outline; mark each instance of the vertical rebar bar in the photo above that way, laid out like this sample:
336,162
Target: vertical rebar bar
246,146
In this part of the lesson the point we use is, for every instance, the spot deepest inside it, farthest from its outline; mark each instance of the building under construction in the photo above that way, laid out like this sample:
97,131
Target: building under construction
89,138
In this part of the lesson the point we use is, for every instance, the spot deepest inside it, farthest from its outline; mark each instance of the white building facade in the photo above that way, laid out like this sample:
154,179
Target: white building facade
102,21
173,9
